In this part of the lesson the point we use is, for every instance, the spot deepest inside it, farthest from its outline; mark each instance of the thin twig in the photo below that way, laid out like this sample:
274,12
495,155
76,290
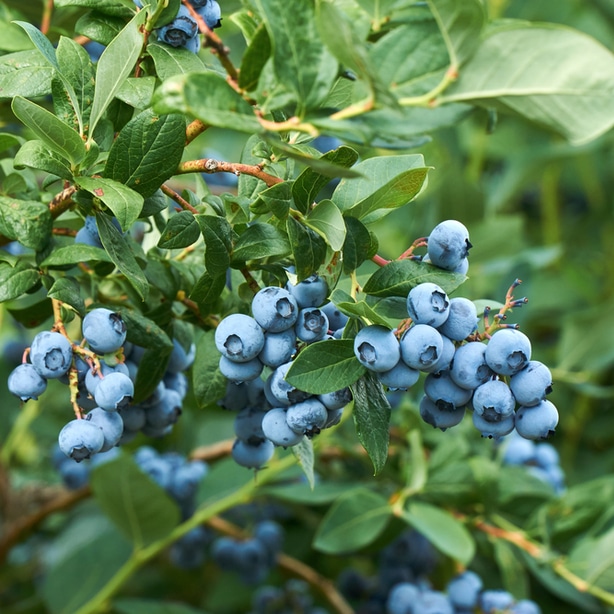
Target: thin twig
182,202
209,165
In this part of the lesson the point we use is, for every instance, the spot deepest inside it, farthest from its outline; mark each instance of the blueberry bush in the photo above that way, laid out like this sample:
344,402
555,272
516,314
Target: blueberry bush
293,294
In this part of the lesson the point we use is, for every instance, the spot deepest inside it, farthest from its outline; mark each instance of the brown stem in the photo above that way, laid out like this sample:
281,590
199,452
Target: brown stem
194,129
64,232
213,452
408,253
379,260
46,17
209,165
182,202
23,526
292,566
251,282
213,41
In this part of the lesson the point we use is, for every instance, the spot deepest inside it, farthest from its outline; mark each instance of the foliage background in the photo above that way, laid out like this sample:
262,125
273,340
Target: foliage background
538,209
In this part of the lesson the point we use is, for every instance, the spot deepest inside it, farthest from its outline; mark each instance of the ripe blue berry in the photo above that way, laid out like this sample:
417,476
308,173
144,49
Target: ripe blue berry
211,13
447,395
114,391
248,424
336,319
239,338
421,346
80,439
428,304
464,590
462,319
166,412
104,330
51,354
377,348
494,429
336,400
537,421
111,425
440,417
532,383
311,325
508,351
310,292
26,383
180,30
275,428
275,309
400,377
278,348
495,600
180,360
282,392
252,455
448,244
402,598
307,417
493,400
469,369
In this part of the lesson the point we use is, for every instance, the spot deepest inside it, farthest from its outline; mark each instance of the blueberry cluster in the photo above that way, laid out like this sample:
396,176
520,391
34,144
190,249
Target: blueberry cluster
541,460
252,558
76,475
293,596
402,585
284,319
183,31
492,374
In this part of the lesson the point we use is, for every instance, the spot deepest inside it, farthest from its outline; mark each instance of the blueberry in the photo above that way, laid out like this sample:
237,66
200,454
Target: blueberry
115,391
525,606
311,292
448,244
532,383
111,425
240,371
278,348
271,535
26,383
252,455
468,368
74,475
447,395
177,382
193,45
421,346
494,600
311,325
275,309
508,351
211,13
235,398
337,399
462,319
239,338
402,598
377,348
92,379
336,319
158,470
166,412
546,455
444,362
494,429
248,424
185,480
440,418
282,392
275,428
188,552
85,237
400,377
537,421
464,590
427,303
104,330
225,553
307,417
519,451
51,354
80,439
493,400
180,360
433,602
180,30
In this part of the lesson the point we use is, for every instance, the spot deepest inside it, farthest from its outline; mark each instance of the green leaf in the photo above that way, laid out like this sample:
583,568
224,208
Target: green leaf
308,249
260,241
15,281
57,135
99,27
147,151
551,75
208,288
115,65
26,221
325,366
74,254
254,59
277,200
36,155
108,7
182,230
139,508
152,368
120,253
125,203
150,606
357,246
399,276
388,182
461,24
354,521
444,531
322,494
360,309
8,140
300,60
41,42
97,558
347,43
326,219
170,61
68,290
209,384
513,573
137,91
372,418
305,456
25,73
143,331
310,182
207,96
217,233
